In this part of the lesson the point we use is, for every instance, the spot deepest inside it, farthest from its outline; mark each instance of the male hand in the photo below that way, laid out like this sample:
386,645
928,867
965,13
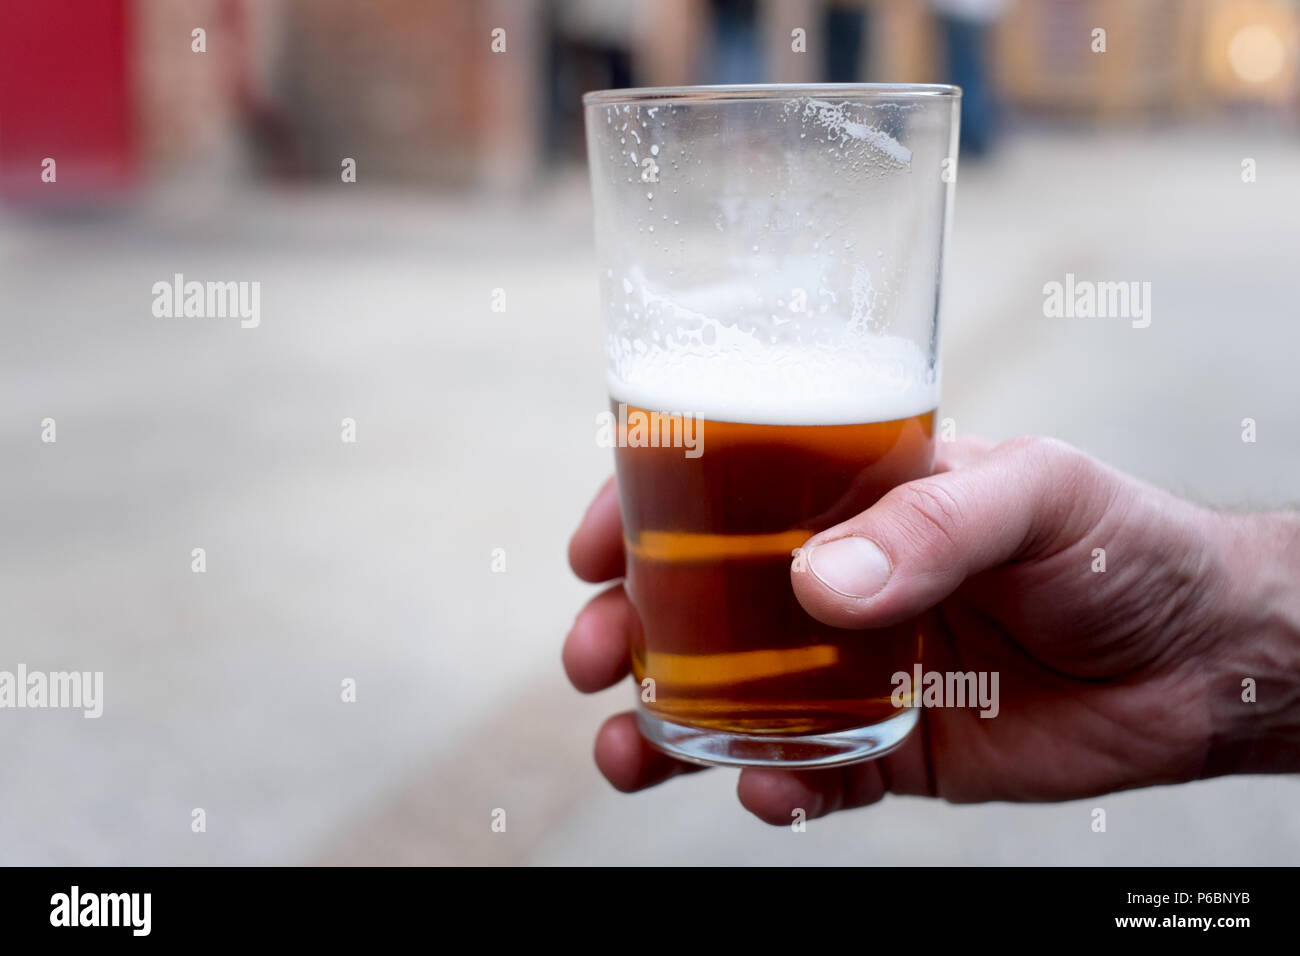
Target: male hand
1109,680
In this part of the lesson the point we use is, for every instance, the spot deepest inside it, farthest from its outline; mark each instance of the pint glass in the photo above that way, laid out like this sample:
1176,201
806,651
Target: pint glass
769,261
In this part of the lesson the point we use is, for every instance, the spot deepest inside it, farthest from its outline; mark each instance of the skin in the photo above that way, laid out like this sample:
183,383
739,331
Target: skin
1108,681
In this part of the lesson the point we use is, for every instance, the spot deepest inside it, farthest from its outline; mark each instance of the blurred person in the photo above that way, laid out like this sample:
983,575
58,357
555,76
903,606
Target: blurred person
266,122
966,27
736,47
1109,681
846,30
590,48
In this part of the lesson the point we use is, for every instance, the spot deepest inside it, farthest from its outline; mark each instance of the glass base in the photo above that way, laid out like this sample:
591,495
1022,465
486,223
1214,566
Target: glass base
718,748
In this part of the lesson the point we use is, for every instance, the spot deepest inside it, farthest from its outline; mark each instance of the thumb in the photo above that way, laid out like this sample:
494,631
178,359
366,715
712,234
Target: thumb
916,545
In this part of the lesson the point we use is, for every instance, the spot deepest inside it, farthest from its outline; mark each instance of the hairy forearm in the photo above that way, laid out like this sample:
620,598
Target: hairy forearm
1254,677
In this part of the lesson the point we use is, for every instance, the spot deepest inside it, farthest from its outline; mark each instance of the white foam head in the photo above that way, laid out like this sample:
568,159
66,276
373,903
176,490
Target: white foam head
873,378
720,351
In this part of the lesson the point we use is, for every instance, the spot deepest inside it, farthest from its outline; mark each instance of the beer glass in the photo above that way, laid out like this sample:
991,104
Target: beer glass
769,262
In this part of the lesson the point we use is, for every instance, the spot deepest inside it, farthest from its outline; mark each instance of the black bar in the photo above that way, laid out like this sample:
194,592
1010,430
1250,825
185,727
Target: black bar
923,905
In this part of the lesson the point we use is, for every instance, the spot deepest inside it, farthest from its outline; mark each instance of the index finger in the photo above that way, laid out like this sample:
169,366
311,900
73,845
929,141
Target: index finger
596,548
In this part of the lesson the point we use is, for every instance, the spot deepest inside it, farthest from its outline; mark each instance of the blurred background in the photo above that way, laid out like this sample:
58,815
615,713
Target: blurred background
443,299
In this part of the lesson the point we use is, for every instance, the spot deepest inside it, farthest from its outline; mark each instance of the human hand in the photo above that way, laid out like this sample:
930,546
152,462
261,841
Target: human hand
1108,680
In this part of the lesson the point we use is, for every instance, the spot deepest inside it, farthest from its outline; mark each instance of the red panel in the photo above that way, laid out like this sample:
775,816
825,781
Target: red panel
64,93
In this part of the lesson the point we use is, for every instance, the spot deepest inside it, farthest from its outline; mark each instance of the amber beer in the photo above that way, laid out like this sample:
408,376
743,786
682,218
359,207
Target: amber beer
710,541
769,260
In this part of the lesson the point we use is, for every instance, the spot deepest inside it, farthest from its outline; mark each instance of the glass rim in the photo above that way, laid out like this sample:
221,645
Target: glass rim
768,91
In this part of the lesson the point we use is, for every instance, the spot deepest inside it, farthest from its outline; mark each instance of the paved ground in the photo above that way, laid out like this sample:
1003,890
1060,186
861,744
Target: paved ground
372,561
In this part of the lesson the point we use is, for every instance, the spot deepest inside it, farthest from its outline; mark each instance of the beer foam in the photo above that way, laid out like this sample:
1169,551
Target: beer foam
868,378
837,119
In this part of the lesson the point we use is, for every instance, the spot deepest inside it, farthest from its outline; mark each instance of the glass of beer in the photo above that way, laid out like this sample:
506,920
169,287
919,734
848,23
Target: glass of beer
769,262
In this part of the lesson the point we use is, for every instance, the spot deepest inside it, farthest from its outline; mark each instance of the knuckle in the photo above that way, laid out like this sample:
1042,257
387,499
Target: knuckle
1067,490
1043,449
1059,463
927,508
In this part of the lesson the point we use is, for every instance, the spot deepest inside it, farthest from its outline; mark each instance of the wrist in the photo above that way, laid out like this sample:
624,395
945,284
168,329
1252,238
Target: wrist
1253,677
